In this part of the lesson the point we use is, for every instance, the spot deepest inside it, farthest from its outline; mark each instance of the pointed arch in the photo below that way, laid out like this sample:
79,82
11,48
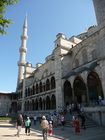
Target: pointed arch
53,102
53,82
33,89
36,104
44,104
40,103
37,87
67,93
47,85
80,91
40,86
94,86
47,102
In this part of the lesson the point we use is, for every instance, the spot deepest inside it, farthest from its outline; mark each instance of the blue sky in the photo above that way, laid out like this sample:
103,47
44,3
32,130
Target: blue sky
46,18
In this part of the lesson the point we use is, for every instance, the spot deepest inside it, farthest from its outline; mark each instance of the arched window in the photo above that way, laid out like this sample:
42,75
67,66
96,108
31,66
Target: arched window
40,87
94,87
33,89
40,103
28,91
47,85
68,97
44,104
53,102
36,88
52,82
44,87
47,102
36,104
80,91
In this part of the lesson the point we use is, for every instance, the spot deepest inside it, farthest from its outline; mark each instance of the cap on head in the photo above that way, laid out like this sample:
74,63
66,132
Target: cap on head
43,117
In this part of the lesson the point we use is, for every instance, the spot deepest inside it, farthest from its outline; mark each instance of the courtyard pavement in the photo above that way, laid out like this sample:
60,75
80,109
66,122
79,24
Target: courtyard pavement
8,132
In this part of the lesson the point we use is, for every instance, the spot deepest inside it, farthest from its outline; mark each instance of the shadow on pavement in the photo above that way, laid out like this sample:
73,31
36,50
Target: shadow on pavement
7,126
8,135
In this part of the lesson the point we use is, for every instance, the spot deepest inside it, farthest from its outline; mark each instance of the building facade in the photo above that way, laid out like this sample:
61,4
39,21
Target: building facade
73,73
8,103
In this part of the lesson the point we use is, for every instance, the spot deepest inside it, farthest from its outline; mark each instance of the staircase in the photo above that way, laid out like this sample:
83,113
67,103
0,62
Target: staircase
68,118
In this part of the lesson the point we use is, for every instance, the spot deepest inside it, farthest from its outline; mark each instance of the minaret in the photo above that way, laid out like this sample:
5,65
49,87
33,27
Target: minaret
99,6
22,50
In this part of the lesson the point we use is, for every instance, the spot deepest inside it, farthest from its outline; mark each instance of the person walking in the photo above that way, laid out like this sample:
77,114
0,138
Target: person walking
35,119
27,126
76,125
50,128
83,120
19,124
62,121
44,126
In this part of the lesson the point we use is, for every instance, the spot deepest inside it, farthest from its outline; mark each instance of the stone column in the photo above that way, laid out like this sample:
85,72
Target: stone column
101,73
58,79
71,79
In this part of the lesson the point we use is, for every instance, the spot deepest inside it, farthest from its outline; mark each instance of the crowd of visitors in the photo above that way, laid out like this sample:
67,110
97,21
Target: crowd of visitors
50,121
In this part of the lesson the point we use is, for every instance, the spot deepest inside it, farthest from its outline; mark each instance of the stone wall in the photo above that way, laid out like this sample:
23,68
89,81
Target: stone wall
97,114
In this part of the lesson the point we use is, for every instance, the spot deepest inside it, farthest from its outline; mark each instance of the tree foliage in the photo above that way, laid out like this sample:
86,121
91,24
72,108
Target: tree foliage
4,22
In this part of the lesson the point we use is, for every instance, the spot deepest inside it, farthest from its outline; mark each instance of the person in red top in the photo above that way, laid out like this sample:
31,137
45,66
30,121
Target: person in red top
76,125
50,128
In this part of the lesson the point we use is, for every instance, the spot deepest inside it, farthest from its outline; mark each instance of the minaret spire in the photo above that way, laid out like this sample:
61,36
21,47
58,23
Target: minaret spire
25,21
22,50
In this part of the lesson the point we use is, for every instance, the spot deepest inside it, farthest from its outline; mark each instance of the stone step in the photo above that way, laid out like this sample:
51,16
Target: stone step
89,123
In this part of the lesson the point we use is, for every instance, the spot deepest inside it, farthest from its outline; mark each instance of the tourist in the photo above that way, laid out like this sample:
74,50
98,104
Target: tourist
50,128
62,121
100,100
76,125
83,120
27,126
55,121
73,122
35,119
70,109
45,126
19,124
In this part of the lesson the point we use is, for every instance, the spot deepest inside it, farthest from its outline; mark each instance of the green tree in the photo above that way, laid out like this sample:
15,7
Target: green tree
4,22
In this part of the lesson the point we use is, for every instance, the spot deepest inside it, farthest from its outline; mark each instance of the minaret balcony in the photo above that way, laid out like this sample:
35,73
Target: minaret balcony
23,49
21,63
24,37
